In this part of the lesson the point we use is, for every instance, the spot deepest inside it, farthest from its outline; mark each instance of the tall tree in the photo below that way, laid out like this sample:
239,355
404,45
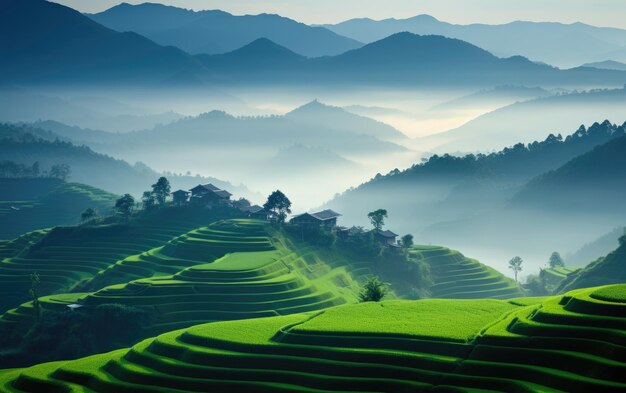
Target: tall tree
35,281
515,264
161,190
124,205
556,260
60,171
279,204
148,200
622,239
88,215
377,218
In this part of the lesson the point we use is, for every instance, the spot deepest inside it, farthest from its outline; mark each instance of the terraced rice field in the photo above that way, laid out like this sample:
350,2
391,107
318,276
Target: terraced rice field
457,277
570,343
553,277
229,270
61,205
67,256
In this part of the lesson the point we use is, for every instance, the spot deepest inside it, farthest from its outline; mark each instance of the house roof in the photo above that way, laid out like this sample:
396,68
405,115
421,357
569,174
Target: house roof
388,234
326,215
207,187
255,208
223,193
181,192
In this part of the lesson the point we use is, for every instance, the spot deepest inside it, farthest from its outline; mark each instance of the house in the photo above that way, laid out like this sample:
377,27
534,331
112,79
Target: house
325,218
346,233
385,237
209,194
180,197
202,189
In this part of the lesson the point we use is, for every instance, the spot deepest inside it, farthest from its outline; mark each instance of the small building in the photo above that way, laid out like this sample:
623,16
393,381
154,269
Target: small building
346,233
180,197
385,237
325,218
202,189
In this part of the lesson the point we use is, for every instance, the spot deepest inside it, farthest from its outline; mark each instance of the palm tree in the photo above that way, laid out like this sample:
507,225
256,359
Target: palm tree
515,264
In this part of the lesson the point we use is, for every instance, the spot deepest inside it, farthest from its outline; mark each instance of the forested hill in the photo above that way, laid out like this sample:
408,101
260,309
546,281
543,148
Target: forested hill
26,145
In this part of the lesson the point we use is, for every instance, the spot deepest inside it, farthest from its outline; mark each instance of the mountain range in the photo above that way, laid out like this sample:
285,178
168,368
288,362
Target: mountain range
213,32
76,49
564,45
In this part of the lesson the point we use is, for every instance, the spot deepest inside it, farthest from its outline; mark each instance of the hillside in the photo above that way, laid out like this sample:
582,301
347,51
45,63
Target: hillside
603,271
33,203
75,48
592,183
564,45
502,127
26,144
215,31
607,65
556,343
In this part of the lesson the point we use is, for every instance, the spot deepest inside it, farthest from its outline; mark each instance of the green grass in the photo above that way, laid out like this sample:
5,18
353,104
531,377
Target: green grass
457,277
563,343
614,293
43,203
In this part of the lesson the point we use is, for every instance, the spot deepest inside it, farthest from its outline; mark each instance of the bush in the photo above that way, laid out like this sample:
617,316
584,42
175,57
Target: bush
373,290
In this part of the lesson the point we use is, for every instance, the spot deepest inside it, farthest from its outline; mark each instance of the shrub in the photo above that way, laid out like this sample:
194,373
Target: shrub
373,290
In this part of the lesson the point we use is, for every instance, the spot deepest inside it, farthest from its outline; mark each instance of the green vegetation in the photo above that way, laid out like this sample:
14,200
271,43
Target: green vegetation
553,277
279,205
377,218
456,277
28,204
563,343
515,264
373,290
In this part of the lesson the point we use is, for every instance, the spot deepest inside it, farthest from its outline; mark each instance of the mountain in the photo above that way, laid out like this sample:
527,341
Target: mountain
503,127
497,97
564,45
45,42
318,114
591,183
593,250
213,32
606,270
398,60
607,65
27,144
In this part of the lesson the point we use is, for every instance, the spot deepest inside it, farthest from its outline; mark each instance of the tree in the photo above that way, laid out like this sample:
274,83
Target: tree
279,204
124,205
622,239
373,290
34,294
407,241
148,200
377,218
556,260
60,171
161,190
515,264
88,215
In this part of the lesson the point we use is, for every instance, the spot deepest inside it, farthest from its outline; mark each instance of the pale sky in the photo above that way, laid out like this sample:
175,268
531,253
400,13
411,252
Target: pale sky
596,12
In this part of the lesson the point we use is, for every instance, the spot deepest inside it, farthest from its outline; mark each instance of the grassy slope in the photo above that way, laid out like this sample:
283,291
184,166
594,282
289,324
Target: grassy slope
553,277
67,256
572,343
45,203
604,271
233,269
457,277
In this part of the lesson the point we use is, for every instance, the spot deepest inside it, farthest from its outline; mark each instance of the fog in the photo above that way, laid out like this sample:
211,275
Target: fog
341,139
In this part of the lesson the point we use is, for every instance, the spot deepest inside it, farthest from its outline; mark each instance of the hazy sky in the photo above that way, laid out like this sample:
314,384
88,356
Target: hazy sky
597,12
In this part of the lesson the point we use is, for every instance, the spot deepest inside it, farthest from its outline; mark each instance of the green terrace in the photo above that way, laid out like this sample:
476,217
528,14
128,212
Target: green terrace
575,342
456,277
226,271
67,257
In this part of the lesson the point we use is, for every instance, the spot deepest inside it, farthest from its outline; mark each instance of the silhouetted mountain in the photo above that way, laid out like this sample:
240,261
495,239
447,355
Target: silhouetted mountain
607,65
560,44
448,187
503,127
42,41
317,113
593,250
401,59
213,32
592,182
493,96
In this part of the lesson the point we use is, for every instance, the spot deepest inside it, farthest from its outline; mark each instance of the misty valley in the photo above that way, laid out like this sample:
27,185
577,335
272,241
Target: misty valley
196,200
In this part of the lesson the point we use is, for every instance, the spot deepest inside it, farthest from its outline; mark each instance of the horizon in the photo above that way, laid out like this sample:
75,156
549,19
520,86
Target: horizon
608,14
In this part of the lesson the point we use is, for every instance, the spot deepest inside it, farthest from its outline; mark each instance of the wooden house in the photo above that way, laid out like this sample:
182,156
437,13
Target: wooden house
325,218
